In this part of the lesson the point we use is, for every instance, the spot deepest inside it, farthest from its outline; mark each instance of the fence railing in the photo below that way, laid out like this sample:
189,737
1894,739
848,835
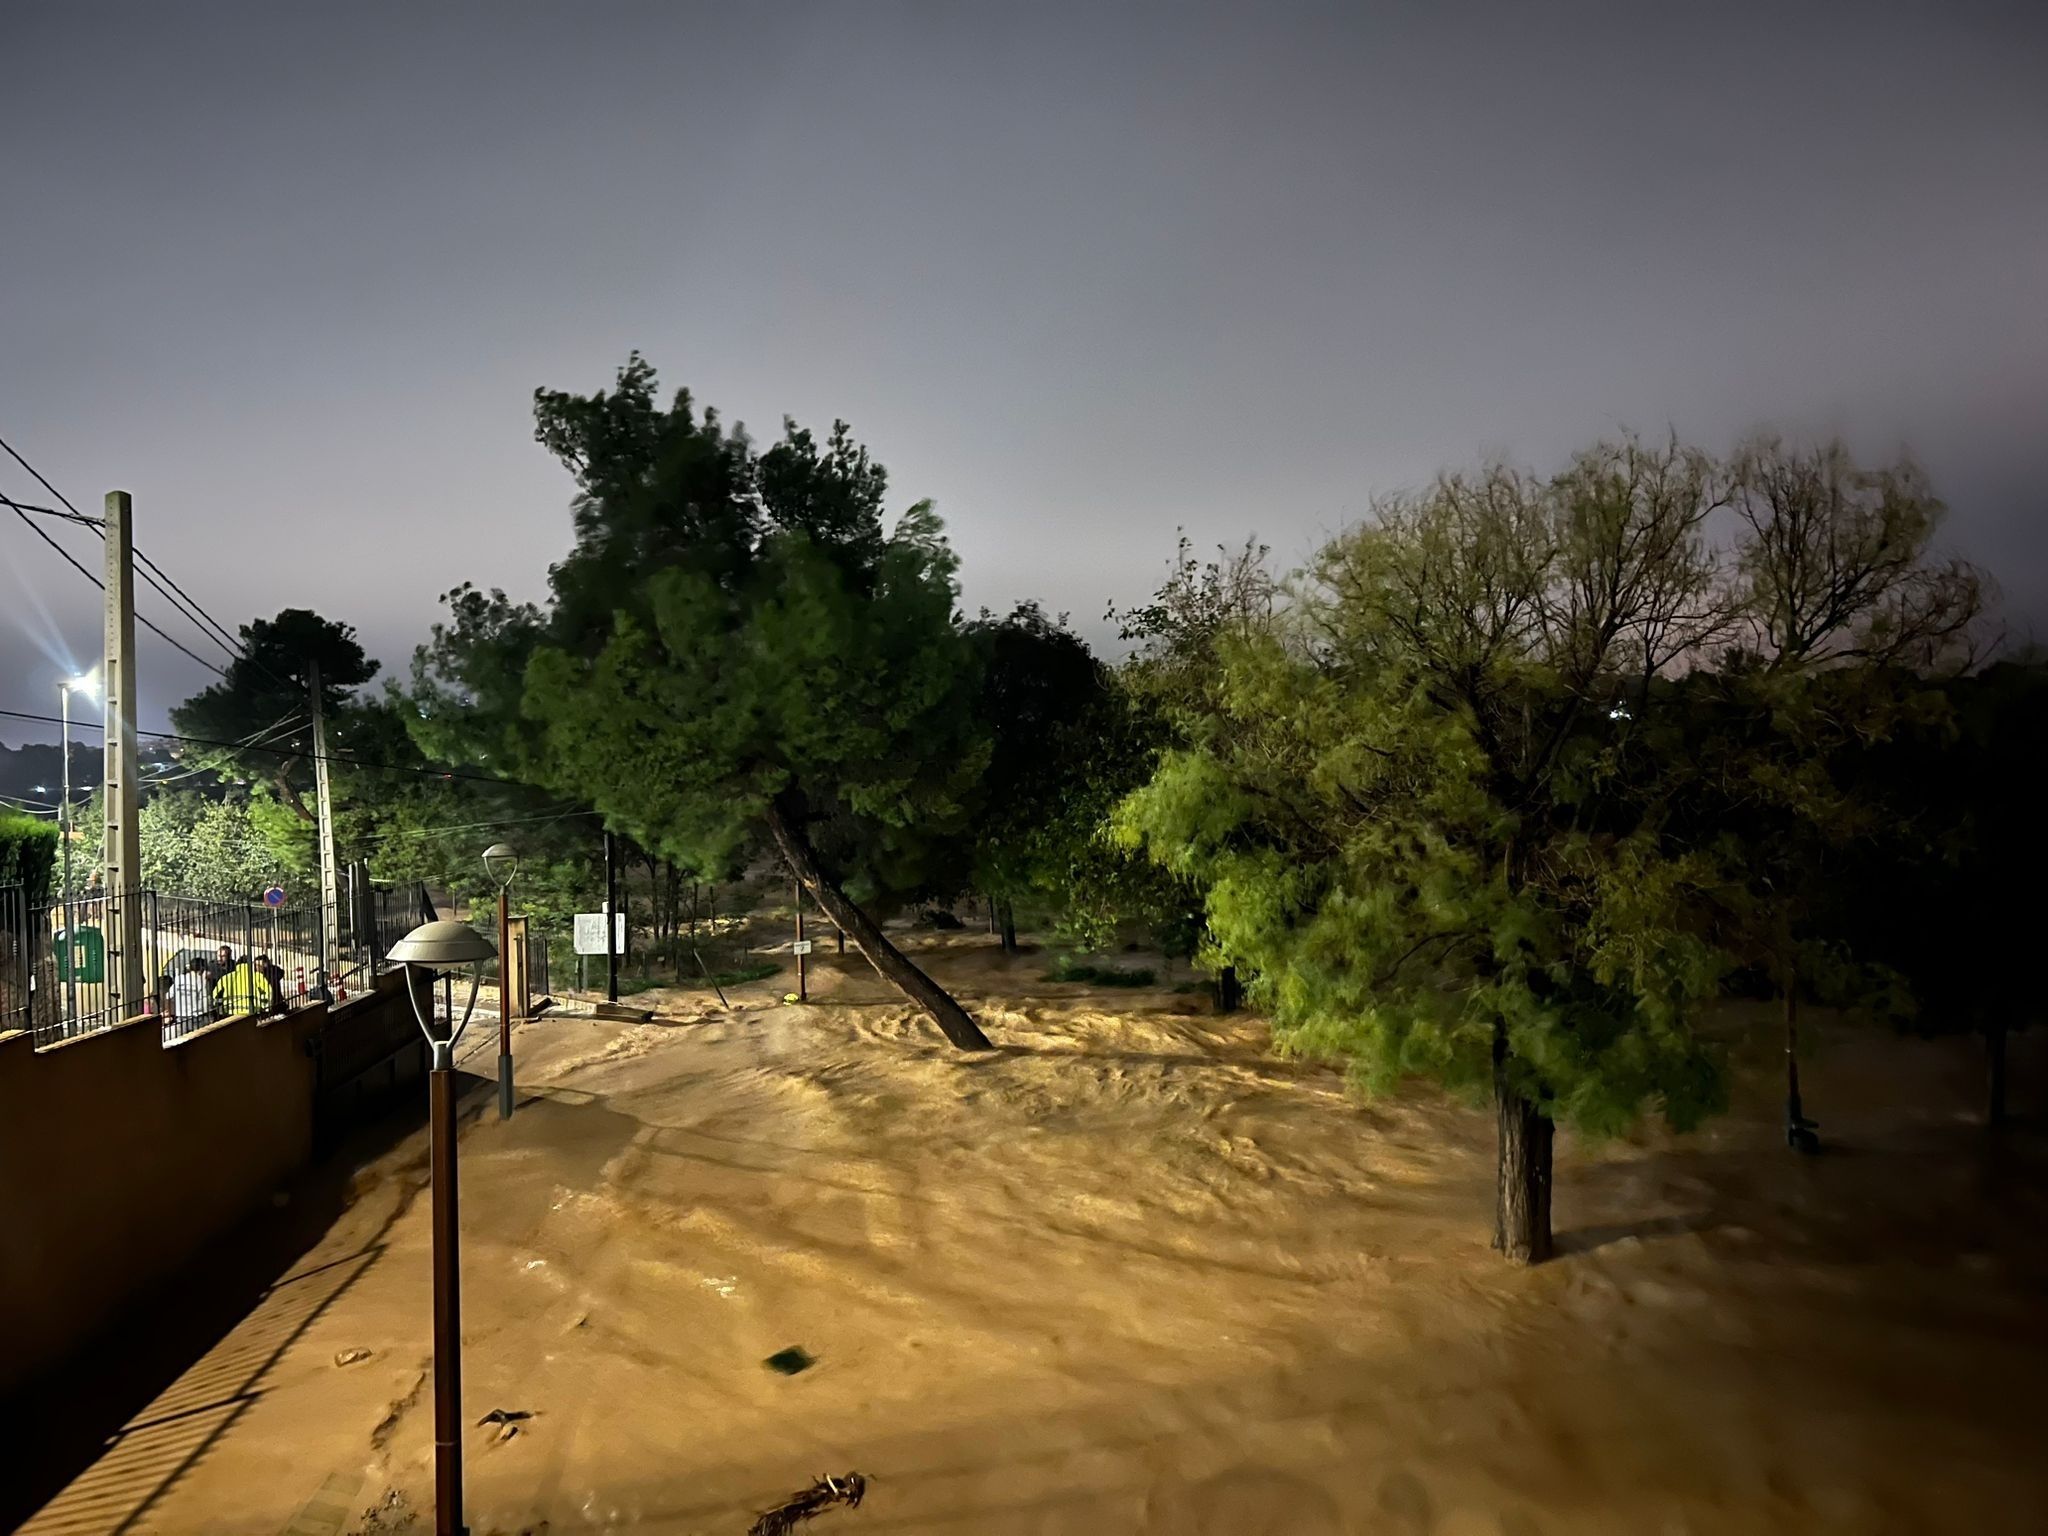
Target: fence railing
201,961
17,959
216,959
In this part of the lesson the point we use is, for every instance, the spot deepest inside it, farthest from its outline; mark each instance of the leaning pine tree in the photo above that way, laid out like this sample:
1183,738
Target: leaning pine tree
1426,801
736,649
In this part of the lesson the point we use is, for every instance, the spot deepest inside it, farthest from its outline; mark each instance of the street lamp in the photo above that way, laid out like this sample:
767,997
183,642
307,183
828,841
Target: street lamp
444,946
501,863
87,683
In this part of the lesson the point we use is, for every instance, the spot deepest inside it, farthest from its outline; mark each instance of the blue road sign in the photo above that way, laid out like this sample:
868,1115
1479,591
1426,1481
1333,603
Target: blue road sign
274,897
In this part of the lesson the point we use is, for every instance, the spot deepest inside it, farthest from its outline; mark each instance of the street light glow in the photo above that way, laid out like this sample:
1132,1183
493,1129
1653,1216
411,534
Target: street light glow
87,683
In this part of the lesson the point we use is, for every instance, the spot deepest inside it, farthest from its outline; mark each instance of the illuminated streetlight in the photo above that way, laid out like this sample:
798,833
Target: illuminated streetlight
88,684
445,947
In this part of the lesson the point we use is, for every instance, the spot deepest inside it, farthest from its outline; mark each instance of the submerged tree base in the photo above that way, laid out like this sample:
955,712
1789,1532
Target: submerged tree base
1521,1223
786,825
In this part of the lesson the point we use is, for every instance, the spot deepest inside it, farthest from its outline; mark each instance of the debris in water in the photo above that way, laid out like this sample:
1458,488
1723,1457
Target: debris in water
503,1416
351,1356
507,1433
789,1361
820,1496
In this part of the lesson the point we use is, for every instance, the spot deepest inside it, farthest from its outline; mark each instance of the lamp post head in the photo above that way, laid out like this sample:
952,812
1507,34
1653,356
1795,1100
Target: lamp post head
87,683
443,945
501,863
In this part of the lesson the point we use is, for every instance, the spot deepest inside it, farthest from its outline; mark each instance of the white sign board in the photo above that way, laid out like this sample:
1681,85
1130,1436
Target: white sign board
800,947
590,933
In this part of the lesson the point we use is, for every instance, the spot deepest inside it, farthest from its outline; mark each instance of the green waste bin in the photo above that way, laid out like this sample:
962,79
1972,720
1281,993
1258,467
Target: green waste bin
89,947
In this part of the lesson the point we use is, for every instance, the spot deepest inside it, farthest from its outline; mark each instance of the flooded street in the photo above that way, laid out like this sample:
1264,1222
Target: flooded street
1129,1273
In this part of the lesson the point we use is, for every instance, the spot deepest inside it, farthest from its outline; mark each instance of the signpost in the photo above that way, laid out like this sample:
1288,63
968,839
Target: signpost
802,947
274,897
590,932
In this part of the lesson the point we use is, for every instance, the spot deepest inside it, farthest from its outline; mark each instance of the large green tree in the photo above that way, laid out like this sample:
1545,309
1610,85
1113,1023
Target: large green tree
1420,824
739,647
254,725
1528,765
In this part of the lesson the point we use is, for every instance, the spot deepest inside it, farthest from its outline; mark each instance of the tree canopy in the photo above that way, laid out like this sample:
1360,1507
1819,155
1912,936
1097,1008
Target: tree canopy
1436,799
736,646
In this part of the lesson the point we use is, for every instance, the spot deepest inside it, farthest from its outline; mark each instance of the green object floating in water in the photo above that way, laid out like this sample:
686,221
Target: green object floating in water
789,1361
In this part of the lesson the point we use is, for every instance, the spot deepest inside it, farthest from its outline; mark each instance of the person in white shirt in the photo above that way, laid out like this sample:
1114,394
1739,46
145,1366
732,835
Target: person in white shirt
191,994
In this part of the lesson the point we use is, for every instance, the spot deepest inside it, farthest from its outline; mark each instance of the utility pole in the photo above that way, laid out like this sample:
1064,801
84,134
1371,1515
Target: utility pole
123,840
802,947
330,873
611,906
70,952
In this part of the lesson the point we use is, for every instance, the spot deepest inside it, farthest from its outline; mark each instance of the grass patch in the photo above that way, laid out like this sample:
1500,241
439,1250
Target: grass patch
1100,975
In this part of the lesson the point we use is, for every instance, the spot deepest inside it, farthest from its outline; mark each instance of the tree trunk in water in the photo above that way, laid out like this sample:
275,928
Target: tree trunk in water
1521,1221
1795,1111
1229,993
786,825
1009,929
1799,1131
1994,1052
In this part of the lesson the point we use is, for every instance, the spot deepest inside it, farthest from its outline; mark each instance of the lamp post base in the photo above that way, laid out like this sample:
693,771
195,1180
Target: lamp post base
504,1085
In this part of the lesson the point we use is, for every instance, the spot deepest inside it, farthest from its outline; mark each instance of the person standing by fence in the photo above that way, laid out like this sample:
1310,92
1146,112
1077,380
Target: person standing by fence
273,976
190,993
243,990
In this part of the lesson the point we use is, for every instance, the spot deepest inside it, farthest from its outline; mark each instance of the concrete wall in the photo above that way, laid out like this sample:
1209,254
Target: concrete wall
120,1158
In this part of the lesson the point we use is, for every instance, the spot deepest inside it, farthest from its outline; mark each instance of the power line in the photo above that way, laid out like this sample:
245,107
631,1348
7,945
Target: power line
191,610
102,586
289,720
232,644
24,463
72,514
149,571
332,757
68,517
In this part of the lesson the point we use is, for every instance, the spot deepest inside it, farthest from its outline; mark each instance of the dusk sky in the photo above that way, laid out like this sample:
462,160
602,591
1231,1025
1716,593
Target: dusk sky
290,274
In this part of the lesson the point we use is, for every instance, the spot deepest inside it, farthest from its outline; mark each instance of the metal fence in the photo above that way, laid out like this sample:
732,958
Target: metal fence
202,961
16,959
215,959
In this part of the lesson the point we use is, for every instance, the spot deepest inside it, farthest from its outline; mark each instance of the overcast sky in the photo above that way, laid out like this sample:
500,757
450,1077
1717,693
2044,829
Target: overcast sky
290,273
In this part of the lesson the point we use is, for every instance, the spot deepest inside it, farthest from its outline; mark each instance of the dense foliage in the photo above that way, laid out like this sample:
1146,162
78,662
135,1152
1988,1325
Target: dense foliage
28,853
1444,803
736,646
1495,793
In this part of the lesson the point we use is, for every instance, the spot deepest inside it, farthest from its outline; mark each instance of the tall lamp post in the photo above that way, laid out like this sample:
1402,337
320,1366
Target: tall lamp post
87,683
501,863
445,946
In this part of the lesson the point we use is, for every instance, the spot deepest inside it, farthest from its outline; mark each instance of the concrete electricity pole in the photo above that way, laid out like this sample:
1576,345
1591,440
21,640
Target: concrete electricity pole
330,872
125,983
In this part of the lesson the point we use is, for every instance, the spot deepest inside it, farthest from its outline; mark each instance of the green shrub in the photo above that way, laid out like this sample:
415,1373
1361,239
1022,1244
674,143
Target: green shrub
1070,969
28,853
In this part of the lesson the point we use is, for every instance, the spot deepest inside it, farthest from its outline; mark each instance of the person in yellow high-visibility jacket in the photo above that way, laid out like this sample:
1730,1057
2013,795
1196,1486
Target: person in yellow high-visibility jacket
243,990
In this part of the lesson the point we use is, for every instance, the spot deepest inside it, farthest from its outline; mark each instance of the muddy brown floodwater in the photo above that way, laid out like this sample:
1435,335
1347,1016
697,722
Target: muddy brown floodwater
1129,1273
